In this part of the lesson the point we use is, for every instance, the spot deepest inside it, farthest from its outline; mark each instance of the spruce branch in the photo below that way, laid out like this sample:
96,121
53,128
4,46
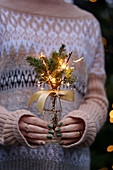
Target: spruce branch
51,70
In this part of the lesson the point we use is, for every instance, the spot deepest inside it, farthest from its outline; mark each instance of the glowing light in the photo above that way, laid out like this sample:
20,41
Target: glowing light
67,67
111,114
61,62
104,168
38,83
68,84
41,55
53,80
50,77
110,148
72,68
42,74
41,88
111,120
93,0
63,66
76,61
104,41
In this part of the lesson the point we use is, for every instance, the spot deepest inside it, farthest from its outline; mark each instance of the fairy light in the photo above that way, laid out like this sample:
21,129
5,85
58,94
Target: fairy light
42,74
41,88
38,83
72,68
63,66
53,80
61,62
41,55
68,84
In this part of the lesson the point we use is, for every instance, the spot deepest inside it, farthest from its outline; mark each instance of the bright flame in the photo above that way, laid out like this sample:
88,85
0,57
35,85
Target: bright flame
76,61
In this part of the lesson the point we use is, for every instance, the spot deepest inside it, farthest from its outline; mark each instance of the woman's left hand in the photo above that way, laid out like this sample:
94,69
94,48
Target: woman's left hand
70,130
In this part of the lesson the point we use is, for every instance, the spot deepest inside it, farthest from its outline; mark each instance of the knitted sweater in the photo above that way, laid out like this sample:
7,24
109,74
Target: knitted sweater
26,32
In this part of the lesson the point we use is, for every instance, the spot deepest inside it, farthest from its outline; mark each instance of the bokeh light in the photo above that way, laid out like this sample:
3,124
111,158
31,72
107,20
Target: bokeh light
93,0
110,148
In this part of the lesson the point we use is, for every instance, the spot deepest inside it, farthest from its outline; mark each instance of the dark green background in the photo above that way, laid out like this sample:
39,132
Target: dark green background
104,13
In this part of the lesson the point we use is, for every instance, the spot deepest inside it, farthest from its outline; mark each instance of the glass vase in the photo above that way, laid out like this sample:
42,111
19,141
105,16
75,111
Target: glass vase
52,114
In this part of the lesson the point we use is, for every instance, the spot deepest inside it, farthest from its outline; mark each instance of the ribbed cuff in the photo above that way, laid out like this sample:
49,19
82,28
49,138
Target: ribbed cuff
11,132
3,118
89,132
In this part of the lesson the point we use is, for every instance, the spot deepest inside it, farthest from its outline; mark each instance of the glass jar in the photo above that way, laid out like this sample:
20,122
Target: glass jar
52,114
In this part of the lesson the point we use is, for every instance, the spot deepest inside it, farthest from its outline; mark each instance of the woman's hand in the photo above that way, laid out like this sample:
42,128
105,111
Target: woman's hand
35,130
70,130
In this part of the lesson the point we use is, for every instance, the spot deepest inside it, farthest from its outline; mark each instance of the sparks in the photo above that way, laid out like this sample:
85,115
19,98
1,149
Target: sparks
76,61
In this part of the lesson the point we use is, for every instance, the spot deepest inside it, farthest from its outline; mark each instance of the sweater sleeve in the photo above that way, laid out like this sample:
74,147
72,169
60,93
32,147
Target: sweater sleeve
94,108
9,129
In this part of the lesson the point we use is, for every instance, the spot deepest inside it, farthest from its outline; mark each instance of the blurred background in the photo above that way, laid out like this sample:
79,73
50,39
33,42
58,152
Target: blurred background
102,148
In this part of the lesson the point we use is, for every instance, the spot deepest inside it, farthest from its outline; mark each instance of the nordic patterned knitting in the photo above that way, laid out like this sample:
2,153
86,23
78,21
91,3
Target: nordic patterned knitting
24,33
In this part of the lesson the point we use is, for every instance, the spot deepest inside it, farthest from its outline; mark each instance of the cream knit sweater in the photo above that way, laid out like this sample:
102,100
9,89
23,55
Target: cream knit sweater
26,31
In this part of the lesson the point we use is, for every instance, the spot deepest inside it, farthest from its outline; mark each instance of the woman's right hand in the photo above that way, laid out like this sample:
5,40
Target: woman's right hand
35,130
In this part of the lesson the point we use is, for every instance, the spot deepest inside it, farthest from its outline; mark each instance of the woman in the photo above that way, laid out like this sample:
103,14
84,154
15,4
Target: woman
26,28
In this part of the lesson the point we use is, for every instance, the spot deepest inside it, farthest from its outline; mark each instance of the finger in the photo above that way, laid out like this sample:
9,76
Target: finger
36,136
33,128
35,121
71,135
68,121
38,142
70,128
68,141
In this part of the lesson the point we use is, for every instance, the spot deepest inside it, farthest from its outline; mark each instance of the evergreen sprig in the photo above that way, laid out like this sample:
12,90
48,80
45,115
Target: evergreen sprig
50,70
